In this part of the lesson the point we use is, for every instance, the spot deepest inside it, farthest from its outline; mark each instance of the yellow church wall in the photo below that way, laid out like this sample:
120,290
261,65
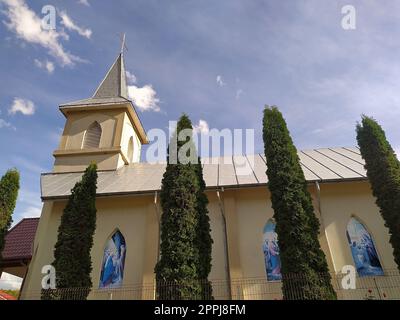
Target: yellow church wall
80,122
251,208
117,129
253,212
340,202
130,215
45,239
219,265
127,132
152,250
246,211
105,161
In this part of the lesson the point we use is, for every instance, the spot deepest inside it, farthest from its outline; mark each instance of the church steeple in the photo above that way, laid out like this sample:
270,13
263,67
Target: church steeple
112,89
104,128
114,83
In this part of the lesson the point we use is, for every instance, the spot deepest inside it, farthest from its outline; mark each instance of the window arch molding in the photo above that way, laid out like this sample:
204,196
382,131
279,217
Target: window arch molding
92,136
363,249
113,260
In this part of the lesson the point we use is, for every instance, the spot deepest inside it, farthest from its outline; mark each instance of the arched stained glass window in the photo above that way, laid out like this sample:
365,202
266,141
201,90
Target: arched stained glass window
271,252
112,270
363,249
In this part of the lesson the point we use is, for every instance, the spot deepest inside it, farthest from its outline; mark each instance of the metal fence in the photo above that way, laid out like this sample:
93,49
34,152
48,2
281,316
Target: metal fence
385,287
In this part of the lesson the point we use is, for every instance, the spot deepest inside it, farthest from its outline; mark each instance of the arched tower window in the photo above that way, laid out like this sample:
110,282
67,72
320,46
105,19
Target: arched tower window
271,252
92,136
363,249
130,150
113,264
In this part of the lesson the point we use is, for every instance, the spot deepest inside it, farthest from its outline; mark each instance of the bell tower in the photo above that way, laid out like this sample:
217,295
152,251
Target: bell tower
105,128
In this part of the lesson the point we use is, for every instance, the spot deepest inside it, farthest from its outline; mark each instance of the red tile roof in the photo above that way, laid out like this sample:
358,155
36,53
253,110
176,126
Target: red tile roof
6,296
19,240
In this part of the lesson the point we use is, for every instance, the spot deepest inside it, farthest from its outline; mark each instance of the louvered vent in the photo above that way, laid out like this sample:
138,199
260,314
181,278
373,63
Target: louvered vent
92,136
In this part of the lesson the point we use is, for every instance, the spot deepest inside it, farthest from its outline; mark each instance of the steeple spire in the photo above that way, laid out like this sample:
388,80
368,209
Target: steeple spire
113,88
123,46
114,83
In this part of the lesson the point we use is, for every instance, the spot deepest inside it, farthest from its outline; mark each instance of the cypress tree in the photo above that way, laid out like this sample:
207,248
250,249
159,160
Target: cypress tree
383,171
9,186
72,260
185,238
204,240
305,273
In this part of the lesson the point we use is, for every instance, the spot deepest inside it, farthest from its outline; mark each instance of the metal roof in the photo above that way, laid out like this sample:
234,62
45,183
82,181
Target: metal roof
19,241
96,102
112,89
323,165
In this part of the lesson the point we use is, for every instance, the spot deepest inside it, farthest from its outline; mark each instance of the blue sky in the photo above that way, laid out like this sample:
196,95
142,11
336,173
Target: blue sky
218,61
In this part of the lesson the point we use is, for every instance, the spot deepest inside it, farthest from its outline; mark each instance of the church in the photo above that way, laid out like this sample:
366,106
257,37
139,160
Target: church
245,255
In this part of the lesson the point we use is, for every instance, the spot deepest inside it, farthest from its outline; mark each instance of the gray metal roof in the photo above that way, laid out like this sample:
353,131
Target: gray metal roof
112,89
114,83
323,165
95,102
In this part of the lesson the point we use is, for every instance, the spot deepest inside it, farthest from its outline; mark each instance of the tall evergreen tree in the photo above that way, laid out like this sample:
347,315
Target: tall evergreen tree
383,171
185,238
72,260
9,186
305,273
204,240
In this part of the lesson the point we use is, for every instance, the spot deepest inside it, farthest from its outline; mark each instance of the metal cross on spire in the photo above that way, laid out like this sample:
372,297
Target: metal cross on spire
123,45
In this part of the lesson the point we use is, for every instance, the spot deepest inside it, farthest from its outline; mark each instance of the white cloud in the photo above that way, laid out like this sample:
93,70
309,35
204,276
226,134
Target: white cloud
10,282
131,77
71,25
27,26
145,98
239,92
220,81
202,127
4,124
26,107
84,2
46,65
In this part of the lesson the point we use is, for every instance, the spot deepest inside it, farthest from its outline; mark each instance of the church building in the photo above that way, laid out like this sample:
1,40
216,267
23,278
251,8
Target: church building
245,254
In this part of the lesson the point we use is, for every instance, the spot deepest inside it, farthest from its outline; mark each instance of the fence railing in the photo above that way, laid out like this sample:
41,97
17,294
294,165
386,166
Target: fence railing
297,287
